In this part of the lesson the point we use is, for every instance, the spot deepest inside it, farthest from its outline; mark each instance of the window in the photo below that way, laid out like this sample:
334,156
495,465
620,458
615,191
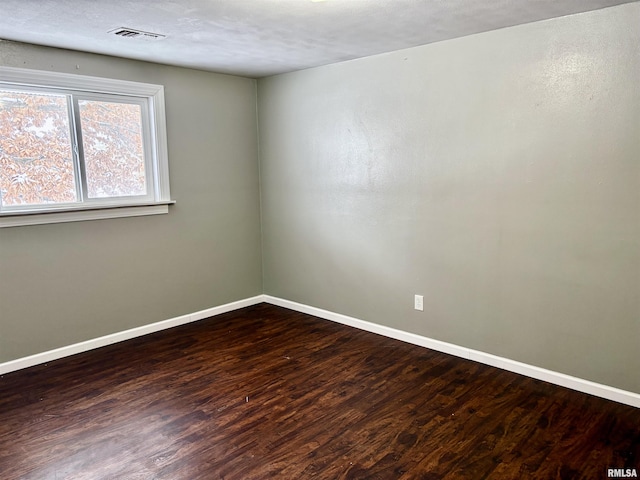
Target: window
78,148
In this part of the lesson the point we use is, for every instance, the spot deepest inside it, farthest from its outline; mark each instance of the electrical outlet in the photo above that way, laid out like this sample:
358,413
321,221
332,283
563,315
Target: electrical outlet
418,302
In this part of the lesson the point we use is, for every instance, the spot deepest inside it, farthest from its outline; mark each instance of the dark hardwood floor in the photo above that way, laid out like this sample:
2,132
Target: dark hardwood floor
265,392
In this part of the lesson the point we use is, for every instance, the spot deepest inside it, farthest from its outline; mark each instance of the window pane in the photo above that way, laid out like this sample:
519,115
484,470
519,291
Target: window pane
36,159
113,149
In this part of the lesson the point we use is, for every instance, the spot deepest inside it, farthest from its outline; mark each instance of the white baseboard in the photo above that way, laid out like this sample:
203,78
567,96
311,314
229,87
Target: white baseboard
574,383
561,379
51,355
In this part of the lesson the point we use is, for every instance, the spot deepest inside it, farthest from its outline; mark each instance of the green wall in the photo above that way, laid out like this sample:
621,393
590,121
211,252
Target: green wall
498,175
65,283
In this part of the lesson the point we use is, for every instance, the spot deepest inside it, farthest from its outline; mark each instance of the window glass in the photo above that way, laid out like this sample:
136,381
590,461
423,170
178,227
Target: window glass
36,157
113,149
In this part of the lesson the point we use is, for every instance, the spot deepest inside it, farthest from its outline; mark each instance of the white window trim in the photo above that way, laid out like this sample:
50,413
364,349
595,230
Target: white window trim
158,141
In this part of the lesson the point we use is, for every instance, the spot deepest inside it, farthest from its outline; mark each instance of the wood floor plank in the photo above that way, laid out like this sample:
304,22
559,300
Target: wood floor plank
265,392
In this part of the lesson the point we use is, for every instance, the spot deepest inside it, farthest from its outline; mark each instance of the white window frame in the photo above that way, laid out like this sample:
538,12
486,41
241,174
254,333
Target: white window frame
151,99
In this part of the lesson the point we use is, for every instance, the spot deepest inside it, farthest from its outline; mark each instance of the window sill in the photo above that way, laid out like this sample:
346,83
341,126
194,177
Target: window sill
81,214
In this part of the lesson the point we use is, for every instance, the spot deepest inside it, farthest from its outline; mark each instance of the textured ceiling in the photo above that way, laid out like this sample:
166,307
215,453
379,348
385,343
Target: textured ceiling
257,38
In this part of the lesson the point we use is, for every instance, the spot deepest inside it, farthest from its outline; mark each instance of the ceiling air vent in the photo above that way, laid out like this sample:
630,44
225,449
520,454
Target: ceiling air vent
132,33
